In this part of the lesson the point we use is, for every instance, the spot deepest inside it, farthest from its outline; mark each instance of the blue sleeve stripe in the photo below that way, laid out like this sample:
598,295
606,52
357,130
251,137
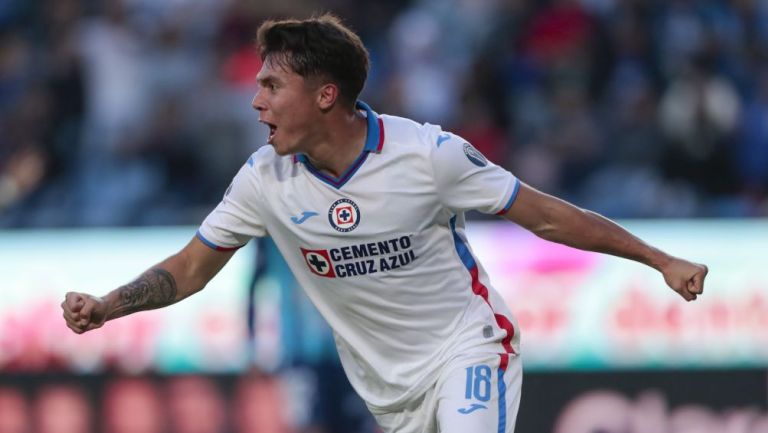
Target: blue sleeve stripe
512,198
213,246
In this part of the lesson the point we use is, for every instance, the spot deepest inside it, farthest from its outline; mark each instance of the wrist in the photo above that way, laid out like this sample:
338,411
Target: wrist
108,302
659,260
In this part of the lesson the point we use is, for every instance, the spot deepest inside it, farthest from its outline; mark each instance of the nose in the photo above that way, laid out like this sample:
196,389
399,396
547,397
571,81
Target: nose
258,103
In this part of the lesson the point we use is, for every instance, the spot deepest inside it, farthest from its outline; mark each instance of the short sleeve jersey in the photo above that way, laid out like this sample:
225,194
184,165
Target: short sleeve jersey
381,250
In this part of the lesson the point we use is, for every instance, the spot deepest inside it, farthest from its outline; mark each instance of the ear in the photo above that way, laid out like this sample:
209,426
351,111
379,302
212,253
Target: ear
327,96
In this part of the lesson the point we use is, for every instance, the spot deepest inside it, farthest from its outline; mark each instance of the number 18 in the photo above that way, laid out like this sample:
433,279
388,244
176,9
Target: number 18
478,383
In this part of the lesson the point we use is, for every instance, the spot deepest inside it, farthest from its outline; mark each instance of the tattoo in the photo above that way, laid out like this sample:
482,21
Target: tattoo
153,289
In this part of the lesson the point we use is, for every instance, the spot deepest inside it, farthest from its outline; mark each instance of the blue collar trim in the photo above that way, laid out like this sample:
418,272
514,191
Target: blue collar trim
374,142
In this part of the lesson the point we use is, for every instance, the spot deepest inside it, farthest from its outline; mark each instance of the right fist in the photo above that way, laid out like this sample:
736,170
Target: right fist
83,312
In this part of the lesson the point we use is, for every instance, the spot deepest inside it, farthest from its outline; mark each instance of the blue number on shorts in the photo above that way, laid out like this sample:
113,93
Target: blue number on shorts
478,383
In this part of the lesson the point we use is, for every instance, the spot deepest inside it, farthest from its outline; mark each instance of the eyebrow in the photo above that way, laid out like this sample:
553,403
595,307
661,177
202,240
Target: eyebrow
268,79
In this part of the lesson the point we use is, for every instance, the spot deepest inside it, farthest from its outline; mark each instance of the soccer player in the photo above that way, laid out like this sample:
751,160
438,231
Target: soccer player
368,211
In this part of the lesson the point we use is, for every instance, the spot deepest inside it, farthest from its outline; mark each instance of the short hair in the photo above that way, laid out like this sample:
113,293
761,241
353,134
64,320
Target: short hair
318,47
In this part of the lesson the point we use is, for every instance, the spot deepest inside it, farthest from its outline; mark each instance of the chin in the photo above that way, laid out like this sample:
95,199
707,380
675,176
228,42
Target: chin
282,148
282,151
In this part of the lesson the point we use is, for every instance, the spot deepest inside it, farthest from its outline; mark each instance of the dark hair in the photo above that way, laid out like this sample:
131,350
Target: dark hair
319,47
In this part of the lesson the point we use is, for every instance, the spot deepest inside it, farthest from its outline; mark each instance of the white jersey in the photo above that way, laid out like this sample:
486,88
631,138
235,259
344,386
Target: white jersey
381,250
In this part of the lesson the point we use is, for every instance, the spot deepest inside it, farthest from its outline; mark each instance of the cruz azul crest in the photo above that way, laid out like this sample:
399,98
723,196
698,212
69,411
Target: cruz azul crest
344,215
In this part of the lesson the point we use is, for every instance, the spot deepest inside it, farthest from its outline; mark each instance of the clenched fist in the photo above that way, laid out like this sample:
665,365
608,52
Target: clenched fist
685,278
83,312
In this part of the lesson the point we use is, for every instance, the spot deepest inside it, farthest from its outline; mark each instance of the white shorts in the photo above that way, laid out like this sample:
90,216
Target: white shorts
478,394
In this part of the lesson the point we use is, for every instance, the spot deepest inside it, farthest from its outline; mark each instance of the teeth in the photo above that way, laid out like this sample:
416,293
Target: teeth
272,128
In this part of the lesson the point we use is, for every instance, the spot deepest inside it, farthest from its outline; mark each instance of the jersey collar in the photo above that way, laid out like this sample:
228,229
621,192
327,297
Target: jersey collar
374,143
374,140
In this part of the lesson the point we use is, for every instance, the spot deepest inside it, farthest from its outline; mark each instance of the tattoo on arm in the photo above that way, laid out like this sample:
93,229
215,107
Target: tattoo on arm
155,288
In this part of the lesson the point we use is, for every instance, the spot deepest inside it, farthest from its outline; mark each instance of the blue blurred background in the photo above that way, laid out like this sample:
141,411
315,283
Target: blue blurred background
122,122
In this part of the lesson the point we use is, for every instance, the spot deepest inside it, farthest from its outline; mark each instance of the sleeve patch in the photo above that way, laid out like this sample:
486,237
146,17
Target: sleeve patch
474,155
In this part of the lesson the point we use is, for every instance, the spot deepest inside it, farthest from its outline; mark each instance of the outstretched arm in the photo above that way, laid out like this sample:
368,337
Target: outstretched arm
559,221
170,281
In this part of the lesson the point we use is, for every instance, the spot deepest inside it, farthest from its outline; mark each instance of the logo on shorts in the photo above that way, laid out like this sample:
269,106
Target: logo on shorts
319,262
474,407
344,215
474,155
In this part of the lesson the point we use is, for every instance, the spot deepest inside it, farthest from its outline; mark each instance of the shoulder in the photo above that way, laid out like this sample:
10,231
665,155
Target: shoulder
430,141
266,162
261,173
264,156
406,134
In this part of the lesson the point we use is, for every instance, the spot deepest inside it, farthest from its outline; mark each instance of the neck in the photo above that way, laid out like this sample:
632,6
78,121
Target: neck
341,142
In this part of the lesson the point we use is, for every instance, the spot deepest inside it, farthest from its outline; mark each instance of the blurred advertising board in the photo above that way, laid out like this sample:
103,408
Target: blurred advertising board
635,401
206,332
290,402
296,400
590,311
577,310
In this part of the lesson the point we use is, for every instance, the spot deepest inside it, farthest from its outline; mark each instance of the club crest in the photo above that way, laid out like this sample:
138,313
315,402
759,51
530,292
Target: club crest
344,215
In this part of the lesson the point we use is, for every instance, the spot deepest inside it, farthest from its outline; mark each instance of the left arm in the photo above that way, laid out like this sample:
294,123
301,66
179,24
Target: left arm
559,221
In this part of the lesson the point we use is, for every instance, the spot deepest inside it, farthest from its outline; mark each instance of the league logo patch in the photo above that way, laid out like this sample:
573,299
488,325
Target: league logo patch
319,262
344,215
474,156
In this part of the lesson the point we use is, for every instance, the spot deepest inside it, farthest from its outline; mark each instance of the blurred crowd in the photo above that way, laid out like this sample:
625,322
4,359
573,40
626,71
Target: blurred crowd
137,112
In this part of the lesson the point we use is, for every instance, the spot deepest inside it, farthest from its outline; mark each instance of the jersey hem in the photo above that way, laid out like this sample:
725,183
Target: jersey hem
213,246
512,198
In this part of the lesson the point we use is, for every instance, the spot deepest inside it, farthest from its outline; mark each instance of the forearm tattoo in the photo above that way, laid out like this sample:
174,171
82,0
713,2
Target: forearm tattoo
155,288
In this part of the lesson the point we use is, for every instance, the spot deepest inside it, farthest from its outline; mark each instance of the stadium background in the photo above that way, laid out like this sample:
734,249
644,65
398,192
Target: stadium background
122,122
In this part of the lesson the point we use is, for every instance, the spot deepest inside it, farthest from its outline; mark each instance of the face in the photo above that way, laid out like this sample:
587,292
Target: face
287,103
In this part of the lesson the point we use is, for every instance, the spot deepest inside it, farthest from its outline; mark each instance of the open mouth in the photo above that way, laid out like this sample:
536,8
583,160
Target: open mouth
272,130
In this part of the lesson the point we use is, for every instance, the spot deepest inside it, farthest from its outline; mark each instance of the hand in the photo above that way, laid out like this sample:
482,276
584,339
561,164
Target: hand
83,312
685,278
